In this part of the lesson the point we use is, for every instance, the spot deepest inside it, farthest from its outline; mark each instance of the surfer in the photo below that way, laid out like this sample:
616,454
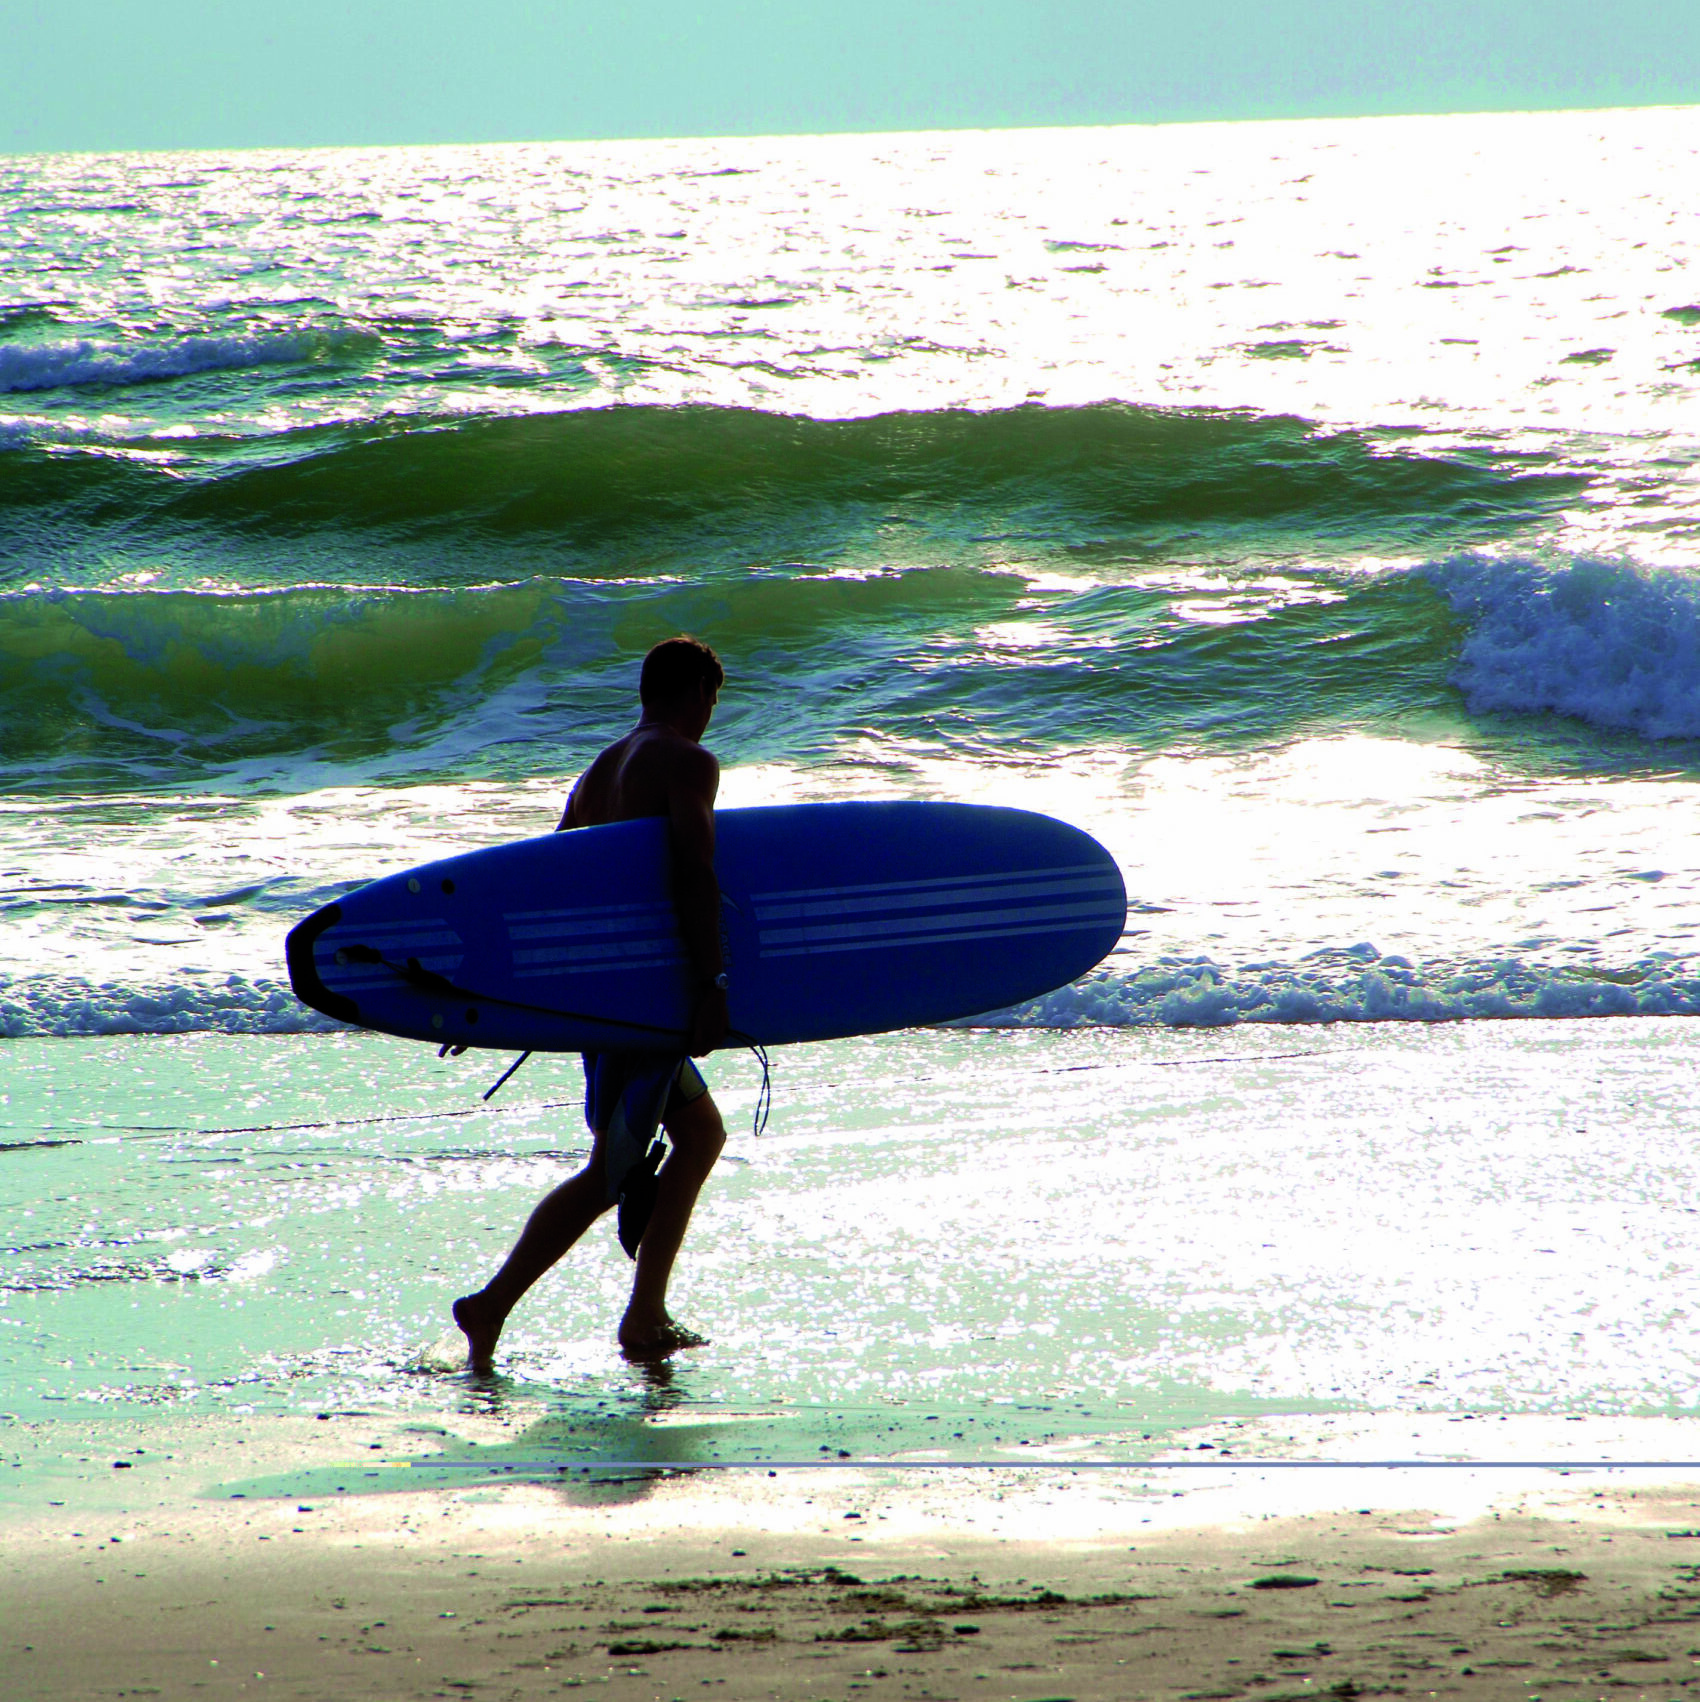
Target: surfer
660,768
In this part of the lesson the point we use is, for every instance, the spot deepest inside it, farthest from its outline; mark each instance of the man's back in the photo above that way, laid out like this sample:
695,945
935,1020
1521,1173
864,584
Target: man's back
650,772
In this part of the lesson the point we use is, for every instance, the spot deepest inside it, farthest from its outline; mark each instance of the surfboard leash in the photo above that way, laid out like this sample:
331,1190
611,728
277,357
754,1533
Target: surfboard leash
495,1087
415,974
764,1093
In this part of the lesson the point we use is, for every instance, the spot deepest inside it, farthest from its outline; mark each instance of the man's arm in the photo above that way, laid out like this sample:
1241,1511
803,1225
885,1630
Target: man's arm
696,891
586,801
569,816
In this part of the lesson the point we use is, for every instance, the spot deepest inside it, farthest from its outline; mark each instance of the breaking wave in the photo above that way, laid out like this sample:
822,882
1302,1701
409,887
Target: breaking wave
52,366
1350,984
67,1006
113,688
1356,984
652,488
1607,642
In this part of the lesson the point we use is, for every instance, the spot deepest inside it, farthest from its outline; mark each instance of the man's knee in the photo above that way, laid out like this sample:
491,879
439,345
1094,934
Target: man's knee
594,1169
696,1131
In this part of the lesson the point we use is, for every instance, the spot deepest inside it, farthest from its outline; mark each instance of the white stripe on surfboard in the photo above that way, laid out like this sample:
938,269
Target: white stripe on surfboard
823,948
591,923
873,915
856,899
963,881
422,931
870,926
885,903
605,952
587,910
914,930
572,964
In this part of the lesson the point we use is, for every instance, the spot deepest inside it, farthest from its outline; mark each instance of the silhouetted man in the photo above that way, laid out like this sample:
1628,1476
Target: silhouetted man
660,768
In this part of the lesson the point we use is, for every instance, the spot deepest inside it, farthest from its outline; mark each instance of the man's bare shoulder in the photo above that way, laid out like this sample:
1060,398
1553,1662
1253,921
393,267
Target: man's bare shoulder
649,772
608,761
692,762
664,765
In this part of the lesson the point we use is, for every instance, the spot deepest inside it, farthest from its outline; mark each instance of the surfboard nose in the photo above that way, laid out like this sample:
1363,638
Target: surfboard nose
304,972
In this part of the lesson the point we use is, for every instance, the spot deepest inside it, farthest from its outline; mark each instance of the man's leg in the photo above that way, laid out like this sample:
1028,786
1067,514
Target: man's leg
560,1218
696,1135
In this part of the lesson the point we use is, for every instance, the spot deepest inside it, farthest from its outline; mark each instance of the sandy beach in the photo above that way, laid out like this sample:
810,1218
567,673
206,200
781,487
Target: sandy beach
1028,1584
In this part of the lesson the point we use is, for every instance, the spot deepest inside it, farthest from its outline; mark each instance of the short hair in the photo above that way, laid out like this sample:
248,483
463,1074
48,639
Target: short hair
678,668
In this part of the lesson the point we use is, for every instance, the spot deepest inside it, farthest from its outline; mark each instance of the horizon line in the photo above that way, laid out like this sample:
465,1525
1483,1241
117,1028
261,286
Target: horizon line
1398,117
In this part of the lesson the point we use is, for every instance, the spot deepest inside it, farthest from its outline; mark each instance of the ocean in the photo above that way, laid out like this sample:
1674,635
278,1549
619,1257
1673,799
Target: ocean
1311,511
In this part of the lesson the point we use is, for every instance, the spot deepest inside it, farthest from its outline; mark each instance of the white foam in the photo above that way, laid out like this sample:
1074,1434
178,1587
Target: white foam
1350,984
1354,984
66,1006
47,366
1610,642
18,433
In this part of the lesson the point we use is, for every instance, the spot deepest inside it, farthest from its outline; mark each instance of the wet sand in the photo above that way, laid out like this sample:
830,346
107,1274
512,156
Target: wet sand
1043,1583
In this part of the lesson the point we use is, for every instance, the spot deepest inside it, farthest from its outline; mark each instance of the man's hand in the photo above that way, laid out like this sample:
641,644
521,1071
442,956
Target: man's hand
708,1022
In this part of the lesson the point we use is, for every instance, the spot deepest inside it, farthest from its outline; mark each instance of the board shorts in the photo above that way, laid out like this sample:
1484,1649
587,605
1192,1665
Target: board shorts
627,1096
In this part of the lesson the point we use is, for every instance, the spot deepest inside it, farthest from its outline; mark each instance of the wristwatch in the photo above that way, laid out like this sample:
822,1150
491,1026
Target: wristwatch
719,981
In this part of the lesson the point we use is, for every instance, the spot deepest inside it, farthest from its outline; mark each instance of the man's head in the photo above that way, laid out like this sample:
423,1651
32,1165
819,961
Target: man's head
680,674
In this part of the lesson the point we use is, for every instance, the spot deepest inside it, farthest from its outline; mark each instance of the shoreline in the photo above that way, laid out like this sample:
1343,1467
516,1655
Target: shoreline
1066,1244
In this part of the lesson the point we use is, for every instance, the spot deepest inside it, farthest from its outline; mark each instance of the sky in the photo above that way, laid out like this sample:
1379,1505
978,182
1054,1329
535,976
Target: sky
160,74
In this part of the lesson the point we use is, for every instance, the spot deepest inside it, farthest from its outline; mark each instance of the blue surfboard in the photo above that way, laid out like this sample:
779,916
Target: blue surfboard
836,919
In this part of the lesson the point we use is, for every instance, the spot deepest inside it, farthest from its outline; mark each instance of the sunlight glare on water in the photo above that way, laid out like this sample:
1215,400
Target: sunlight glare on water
1308,511
1336,851
1358,272
1147,1229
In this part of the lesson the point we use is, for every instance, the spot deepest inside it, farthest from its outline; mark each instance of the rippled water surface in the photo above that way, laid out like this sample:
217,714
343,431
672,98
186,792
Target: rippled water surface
1323,493
1310,511
966,1243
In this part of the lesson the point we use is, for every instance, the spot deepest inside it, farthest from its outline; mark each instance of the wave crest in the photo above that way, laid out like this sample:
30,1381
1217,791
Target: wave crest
53,366
741,484
1608,642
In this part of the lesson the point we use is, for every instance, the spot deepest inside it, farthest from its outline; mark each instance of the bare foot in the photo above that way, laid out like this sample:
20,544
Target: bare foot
482,1325
656,1341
